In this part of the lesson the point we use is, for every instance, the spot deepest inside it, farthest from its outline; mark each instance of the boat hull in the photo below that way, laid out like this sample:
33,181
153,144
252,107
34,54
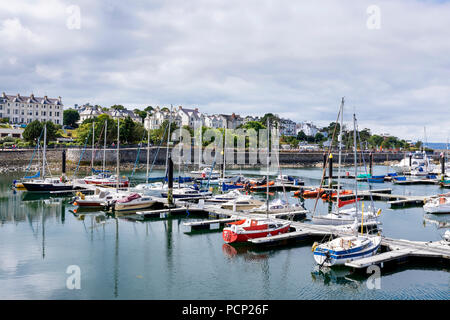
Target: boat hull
230,236
46,187
132,207
332,259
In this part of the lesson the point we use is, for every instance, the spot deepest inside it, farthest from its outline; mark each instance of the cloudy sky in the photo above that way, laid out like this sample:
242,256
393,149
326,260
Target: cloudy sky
390,59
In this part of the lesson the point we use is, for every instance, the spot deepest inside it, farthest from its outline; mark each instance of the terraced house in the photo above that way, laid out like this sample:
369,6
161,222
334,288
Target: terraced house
22,110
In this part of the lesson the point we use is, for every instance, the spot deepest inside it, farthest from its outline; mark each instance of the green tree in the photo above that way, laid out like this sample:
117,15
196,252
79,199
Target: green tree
149,109
141,113
117,107
273,120
301,136
70,117
33,131
376,140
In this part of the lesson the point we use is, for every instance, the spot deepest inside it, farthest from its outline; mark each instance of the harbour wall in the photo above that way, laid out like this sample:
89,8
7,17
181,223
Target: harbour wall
21,157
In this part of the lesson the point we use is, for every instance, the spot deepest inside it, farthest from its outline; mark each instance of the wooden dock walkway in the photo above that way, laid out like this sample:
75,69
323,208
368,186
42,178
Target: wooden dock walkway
402,249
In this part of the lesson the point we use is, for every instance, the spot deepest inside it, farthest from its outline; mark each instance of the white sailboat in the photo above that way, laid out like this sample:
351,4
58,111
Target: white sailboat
345,216
439,204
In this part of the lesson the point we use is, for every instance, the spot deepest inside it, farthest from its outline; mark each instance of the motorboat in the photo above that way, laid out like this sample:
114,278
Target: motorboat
225,197
206,173
105,179
278,206
413,161
133,201
440,204
246,229
187,193
346,216
99,198
243,202
48,185
345,249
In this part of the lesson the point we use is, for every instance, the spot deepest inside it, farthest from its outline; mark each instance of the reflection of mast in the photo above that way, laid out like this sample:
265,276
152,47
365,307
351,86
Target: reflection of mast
169,250
116,261
43,232
266,277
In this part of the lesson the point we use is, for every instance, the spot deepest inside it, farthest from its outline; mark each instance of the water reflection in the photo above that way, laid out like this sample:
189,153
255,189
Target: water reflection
246,252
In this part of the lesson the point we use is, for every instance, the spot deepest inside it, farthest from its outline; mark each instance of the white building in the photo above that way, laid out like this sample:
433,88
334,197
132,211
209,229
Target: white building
20,109
288,127
160,115
87,112
307,127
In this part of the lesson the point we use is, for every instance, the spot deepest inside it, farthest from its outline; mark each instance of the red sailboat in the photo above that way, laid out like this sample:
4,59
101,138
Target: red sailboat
243,230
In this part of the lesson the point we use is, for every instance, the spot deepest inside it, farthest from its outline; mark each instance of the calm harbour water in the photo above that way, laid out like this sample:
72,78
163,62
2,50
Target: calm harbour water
121,259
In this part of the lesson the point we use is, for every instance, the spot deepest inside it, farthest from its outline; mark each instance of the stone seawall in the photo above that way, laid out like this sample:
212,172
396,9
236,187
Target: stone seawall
21,158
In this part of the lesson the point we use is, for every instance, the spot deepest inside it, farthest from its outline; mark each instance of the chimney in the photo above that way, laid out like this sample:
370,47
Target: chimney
180,107
32,96
3,95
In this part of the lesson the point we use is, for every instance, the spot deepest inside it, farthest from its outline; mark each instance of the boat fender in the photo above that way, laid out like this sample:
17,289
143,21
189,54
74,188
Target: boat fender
379,212
314,246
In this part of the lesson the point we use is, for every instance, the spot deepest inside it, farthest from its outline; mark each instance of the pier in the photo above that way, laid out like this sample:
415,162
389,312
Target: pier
396,250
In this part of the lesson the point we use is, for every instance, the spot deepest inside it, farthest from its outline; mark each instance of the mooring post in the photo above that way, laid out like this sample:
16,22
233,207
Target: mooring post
170,182
324,160
371,164
410,159
63,162
443,165
330,170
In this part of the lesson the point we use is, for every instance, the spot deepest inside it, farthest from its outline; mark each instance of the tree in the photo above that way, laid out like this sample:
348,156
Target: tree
33,131
140,113
118,107
376,140
149,109
301,136
70,117
318,137
273,120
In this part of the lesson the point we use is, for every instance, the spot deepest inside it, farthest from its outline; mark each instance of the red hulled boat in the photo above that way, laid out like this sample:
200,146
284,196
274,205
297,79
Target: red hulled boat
243,230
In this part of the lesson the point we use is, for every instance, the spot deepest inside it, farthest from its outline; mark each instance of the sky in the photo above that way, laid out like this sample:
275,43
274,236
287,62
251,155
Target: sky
389,59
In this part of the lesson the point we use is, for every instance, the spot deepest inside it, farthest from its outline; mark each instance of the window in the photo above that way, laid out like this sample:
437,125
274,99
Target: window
50,113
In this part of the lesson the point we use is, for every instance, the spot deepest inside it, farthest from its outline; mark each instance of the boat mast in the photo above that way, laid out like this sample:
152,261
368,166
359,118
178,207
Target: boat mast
93,143
268,159
104,145
148,154
356,163
224,151
118,142
168,140
43,151
341,111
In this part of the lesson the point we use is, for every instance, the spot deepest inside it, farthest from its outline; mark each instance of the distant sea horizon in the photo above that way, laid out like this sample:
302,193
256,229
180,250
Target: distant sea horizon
436,145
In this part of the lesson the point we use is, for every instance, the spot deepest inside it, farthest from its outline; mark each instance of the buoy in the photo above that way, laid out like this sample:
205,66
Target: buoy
314,246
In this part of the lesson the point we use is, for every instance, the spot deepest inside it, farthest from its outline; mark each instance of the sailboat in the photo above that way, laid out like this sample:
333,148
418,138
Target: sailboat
347,216
347,248
245,229
103,177
48,184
